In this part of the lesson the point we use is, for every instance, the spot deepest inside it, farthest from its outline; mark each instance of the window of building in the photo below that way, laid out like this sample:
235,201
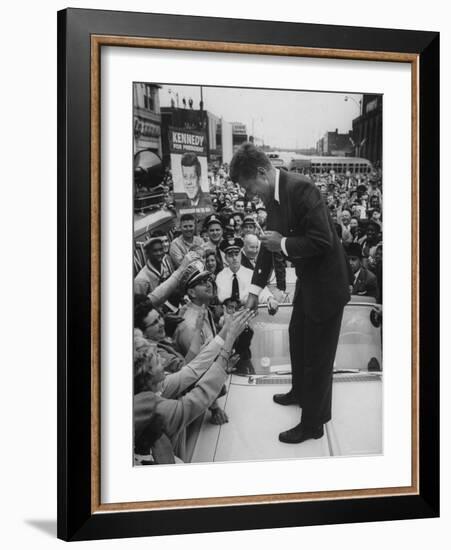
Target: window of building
149,100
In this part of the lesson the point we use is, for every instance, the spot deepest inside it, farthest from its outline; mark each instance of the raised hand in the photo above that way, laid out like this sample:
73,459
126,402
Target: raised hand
188,258
252,302
231,363
239,322
272,240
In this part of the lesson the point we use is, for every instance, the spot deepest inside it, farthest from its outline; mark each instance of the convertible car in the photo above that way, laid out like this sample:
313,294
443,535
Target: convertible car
255,420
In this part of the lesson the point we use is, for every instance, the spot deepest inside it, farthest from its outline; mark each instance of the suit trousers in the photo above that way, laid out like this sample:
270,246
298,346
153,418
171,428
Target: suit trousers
312,350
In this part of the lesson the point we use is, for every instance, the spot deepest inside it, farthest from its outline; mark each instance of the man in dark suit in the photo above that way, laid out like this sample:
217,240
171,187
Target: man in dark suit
250,250
249,258
299,226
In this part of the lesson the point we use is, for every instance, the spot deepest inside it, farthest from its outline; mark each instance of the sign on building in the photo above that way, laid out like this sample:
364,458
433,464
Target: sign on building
189,169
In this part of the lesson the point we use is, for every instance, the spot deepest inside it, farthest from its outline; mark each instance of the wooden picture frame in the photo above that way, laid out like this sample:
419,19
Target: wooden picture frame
81,35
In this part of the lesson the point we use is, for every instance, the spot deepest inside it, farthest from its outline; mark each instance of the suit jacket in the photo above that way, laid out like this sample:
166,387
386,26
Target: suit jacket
312,244
245,262
278,264
365,285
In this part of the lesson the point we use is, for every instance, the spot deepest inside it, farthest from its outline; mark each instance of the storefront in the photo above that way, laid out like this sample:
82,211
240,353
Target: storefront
146,118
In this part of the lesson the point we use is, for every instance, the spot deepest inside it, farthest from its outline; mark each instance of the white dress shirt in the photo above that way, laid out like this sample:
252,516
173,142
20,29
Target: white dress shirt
224,281
254,289
277,199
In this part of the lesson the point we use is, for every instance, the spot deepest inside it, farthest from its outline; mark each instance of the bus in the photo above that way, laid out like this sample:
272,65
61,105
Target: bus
277,161
324,165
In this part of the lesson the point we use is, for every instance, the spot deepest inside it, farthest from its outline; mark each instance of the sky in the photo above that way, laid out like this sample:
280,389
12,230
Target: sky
285,119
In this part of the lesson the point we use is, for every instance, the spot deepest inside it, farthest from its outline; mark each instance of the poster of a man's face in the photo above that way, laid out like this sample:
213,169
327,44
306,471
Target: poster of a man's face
191,173
189,170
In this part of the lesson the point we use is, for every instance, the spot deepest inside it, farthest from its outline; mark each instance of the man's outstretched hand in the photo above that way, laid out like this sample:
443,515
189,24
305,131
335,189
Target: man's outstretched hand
273,306
272,241
218,416
252,302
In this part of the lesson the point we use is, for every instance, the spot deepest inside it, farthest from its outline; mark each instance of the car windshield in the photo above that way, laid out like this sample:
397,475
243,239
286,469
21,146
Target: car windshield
359,346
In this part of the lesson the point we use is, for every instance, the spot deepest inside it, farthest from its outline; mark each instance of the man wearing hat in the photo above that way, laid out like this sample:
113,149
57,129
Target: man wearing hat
249,225
215,231
364,282
234,282
299,225
157,268
198,285
199,288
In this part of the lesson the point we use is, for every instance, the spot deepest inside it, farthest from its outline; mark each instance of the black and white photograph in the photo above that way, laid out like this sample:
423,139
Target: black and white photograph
217,357
257,235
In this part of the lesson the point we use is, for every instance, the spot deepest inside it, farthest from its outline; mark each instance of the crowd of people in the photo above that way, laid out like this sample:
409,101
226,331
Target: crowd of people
191,326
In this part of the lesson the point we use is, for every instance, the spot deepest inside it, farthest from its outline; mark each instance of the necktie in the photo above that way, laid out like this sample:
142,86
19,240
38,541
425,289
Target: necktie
219,259
235,289
211,322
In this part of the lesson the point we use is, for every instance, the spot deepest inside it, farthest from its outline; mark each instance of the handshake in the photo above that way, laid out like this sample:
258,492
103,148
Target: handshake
252,304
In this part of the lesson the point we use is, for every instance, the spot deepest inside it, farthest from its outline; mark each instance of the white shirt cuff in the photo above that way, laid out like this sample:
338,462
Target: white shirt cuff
254,289
219,340
283,245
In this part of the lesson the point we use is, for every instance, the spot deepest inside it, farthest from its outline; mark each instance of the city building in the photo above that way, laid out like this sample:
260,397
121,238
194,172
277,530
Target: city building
367,130
146,117
190,119
333,144
201,121
239,135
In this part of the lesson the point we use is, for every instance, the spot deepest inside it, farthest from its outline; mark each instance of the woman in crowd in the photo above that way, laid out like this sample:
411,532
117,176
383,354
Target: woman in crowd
211,263
151,444
177,413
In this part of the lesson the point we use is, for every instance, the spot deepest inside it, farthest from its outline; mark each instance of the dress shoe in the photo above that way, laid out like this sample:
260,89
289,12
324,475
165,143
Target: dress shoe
374,365
300,433
285,399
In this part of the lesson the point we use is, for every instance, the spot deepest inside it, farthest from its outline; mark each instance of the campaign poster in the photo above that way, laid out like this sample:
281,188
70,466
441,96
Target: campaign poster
189,169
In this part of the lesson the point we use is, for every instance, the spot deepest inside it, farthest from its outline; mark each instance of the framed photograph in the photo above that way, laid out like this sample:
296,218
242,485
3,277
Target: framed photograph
248,274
